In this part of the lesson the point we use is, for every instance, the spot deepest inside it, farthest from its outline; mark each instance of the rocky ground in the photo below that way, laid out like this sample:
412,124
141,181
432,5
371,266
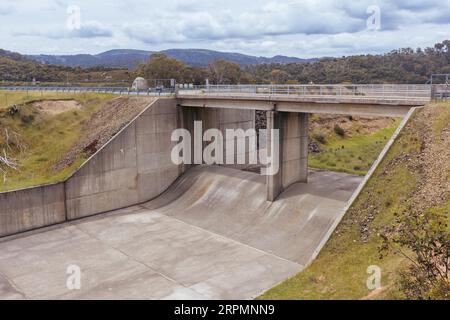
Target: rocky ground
415,175
431,162
103,125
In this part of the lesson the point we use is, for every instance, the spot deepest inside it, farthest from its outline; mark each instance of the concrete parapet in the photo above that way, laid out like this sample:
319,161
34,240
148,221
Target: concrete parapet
31,208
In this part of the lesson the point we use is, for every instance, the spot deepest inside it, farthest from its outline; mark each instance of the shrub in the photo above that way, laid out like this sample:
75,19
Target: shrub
339,131
26,119
320,137
423,238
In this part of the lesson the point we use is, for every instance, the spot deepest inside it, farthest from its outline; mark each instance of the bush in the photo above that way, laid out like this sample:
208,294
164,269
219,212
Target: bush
423,238
320,137
26,119
339,131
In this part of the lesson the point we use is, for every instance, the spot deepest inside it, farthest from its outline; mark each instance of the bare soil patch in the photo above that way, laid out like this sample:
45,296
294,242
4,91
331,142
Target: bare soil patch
54,107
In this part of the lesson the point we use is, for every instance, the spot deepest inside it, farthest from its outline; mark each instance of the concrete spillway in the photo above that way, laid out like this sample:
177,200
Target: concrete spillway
232,203
211,235
209,232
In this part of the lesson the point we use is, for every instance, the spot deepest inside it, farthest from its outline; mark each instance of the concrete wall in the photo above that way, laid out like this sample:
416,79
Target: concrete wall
293,160
221,119
31,208
156,171
133,168
295,148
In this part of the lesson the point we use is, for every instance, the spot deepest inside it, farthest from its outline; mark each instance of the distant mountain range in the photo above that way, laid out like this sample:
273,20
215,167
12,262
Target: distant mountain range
129,58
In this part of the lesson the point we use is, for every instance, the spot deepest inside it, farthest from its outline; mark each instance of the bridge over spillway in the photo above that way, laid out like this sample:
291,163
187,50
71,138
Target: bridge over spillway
288,108
169,225
370,100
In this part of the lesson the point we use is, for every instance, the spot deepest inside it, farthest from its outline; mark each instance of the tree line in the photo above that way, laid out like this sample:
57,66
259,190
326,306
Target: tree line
405,65
399,66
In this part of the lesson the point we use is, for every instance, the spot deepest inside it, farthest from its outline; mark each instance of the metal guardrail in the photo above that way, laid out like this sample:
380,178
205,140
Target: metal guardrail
112,90
394,92
370,91
441,91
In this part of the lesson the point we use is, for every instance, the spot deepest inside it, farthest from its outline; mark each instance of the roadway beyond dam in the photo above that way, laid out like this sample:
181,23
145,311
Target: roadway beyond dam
211,235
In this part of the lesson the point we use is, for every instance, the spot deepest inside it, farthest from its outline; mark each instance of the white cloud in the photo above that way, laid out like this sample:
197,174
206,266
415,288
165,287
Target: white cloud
88,29
6,9
91,29
263,27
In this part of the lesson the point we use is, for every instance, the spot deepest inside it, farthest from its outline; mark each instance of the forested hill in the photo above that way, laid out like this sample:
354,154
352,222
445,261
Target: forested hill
128,58
399,66
17,68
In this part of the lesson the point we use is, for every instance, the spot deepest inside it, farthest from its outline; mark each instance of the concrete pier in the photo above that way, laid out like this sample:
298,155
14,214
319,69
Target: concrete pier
293,150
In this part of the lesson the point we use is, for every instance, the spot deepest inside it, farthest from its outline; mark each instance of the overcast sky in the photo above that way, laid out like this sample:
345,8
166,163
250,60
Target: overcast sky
302,28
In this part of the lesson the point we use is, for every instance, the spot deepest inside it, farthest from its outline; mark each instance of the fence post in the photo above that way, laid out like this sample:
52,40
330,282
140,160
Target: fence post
433,92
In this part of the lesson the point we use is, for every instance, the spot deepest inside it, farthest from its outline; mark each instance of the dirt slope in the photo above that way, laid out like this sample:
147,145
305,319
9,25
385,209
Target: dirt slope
47,138
103,125
416,172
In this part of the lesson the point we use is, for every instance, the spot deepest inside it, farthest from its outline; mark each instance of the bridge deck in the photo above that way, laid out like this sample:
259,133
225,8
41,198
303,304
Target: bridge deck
374,100
383,94
411,95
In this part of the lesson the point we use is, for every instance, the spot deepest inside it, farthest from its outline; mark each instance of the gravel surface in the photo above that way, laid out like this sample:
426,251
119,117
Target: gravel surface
103,125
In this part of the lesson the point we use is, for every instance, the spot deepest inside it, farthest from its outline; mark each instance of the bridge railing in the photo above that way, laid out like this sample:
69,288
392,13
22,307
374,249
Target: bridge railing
441,91
375,91
112,90
395,92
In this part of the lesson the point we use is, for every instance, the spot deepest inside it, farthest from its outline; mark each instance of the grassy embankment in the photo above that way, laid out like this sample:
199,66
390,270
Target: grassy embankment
340,271
44,138
353,150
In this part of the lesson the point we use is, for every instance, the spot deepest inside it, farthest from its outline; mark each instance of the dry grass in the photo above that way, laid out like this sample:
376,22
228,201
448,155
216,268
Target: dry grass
340,271
46,138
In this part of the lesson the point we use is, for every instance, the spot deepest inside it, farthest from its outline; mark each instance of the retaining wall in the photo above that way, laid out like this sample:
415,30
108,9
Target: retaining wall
132,168
31,208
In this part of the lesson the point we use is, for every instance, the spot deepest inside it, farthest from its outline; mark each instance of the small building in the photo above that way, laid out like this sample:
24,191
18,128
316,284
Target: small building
139,84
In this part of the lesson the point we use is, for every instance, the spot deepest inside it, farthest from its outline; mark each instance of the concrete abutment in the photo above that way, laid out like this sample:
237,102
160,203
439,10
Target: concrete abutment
293,150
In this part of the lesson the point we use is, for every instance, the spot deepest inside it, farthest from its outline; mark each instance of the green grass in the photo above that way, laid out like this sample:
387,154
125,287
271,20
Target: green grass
354,154
340,270
46,138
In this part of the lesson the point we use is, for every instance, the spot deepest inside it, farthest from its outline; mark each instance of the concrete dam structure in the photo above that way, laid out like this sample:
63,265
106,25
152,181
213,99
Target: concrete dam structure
135,166
179,231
